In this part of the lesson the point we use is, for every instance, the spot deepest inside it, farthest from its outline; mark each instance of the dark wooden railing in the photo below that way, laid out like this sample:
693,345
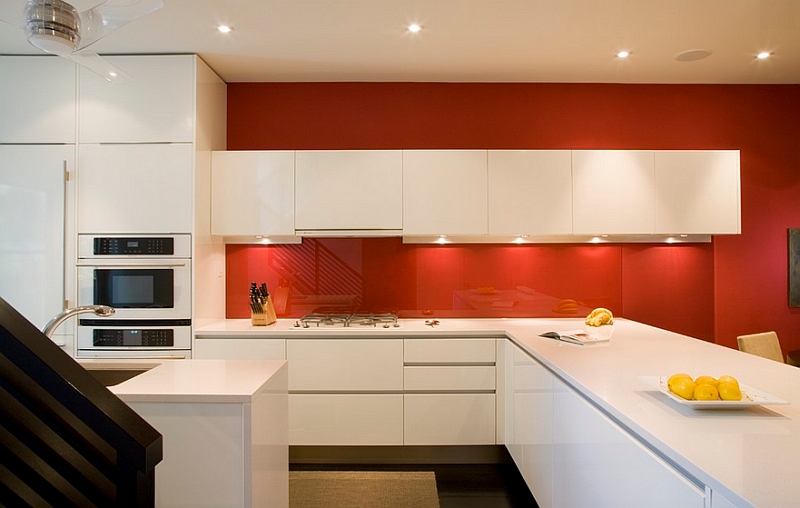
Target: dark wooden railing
65,439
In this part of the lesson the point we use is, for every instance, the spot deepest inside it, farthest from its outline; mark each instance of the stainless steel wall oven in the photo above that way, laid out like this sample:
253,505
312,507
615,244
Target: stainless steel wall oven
147,280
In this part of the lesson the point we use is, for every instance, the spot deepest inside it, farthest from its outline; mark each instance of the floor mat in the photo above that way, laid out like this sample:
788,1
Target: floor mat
356,489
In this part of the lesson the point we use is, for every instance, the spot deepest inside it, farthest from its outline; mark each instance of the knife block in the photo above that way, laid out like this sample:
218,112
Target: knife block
258,318
266,316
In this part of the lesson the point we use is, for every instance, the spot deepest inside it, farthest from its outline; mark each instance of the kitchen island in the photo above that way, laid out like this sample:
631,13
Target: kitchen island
731,457
224,424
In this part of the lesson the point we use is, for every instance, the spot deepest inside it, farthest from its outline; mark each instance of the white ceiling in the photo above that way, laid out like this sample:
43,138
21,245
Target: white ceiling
466,40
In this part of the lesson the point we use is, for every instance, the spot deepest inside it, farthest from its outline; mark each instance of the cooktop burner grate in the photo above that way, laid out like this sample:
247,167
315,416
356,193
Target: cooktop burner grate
320,320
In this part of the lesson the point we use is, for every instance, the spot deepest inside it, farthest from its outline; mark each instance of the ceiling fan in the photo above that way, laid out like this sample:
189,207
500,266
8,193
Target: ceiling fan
56,27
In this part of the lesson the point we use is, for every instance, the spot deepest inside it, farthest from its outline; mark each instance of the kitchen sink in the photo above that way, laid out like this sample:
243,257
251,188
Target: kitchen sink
112,377
113,373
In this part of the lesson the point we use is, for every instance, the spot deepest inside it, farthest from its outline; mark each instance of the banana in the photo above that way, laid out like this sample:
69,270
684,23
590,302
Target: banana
599,317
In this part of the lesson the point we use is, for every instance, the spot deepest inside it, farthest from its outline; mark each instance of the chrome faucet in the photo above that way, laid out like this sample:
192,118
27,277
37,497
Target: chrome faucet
100,310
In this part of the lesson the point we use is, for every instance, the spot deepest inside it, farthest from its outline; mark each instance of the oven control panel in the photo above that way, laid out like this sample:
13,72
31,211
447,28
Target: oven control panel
136,246
110,337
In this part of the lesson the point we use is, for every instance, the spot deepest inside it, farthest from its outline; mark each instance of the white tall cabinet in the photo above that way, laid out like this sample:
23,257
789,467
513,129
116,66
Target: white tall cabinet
33,188
37,155
138,155
156,106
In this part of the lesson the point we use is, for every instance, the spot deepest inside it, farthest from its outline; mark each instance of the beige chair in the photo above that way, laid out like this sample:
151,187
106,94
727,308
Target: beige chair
761,344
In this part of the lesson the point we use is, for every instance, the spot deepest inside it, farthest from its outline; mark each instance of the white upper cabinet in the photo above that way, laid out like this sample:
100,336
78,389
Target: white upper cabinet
445,192
37,100
530,192
613,192
252,193
155,105
697,192
136,188
349,190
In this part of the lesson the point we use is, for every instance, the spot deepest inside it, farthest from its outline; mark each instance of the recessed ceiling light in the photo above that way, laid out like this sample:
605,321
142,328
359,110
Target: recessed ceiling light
763,55
623,54
225,29
691,55
414,28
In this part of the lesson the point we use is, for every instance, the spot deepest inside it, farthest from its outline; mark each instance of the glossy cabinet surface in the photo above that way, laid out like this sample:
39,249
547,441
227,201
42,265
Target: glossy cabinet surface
448,419
532,423
530,192
345,391
449,378
697,192
252,193
345,364
444,351
135,188
155,105
349,190
230,347
449,391
346,419
613,192
37,103
224,425
595,462
445,192
32,214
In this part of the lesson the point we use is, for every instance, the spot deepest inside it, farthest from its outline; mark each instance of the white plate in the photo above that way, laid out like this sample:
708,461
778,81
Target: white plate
750,396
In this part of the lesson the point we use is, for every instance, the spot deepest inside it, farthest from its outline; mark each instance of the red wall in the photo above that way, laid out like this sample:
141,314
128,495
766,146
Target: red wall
736,285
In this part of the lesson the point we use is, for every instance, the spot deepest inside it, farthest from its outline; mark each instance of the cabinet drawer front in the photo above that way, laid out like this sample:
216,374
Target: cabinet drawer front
251,349
451,377
345,364
345,419
449,419
449,351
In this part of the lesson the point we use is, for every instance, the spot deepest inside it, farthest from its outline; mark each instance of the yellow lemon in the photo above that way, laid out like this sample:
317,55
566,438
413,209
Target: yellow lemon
671,380
683,387
729,391
728,379
706,392
706,380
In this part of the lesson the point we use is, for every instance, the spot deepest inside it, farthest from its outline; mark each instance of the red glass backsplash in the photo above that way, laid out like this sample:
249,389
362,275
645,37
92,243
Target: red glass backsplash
413,280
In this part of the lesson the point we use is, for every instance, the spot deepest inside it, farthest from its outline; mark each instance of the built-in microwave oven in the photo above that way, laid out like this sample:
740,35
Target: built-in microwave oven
147,280
141,277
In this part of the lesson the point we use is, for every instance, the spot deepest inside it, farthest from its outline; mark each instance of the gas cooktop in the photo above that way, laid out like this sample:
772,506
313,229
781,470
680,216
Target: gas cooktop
324,320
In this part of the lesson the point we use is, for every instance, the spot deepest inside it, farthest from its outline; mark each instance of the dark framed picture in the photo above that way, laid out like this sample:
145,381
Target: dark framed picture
794,267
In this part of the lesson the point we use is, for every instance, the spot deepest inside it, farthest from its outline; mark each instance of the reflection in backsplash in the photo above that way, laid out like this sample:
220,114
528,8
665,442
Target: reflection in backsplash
476,280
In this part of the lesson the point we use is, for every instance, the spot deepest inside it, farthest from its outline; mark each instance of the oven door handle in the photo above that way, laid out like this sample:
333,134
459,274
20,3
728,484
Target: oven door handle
131,265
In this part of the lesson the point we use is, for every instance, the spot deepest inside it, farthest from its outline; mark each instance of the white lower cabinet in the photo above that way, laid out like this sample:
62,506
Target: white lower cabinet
345,391
230,347
345,419
449,419
533,424
598,463
356,365
717,500
571,455
449,387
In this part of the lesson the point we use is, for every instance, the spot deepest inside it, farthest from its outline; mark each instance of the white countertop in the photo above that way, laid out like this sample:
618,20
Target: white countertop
207,381
749,455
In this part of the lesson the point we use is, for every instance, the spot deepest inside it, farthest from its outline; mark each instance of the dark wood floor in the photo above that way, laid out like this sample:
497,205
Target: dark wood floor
459,485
